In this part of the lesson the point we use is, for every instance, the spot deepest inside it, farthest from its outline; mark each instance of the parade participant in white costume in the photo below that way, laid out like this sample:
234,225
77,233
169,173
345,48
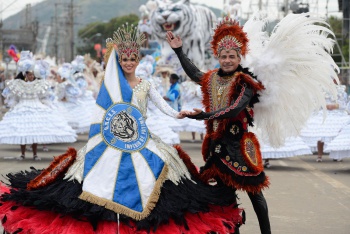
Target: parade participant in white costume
339,147
164,71
293,146
319,131
29,121
125,180
92,74
68,91
86,98
191,97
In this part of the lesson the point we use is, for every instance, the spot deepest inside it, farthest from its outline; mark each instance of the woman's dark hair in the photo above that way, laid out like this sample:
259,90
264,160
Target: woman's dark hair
20,76
174,76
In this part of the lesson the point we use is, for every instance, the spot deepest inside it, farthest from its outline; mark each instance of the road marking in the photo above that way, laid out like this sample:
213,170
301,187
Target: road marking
333,182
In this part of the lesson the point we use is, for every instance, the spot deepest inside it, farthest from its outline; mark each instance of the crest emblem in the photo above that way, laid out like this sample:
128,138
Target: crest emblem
124,125
124,128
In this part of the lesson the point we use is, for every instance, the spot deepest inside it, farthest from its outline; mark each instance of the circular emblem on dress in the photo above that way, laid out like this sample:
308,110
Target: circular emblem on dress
124,127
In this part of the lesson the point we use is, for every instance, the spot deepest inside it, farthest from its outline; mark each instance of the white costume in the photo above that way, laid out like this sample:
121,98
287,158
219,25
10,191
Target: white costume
325,130
29,120
79,116
191,97
339,147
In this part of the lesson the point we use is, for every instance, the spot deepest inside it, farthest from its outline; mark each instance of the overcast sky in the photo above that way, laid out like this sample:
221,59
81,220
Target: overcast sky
10,7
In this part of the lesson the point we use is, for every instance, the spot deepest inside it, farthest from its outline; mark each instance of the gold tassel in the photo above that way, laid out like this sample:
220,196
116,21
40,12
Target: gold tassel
117,208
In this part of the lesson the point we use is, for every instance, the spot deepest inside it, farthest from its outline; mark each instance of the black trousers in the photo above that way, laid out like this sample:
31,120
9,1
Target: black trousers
261,210
260,207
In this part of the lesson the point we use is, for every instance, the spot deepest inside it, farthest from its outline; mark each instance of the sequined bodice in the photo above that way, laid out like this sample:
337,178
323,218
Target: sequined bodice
144,91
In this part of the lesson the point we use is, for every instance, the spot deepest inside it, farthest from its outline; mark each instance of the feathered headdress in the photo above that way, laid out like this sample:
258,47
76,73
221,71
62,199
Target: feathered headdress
127,41
229,35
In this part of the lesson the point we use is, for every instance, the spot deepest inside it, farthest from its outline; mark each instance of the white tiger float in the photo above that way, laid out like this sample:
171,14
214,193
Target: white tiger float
193,23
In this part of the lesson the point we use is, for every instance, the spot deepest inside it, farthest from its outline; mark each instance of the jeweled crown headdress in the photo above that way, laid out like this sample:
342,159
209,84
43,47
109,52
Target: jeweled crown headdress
127,40
229,35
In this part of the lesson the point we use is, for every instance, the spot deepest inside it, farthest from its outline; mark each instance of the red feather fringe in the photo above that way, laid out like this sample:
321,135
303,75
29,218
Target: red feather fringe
187,160
58,166
221,220
233,30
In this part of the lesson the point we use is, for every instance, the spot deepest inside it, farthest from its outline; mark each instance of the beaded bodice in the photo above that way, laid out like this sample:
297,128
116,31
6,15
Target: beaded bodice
28,90
144,91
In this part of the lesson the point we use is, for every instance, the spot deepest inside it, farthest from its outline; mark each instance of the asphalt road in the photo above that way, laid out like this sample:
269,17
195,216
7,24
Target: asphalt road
305,197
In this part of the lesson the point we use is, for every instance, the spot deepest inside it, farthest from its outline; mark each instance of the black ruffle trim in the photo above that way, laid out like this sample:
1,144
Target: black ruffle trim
174,201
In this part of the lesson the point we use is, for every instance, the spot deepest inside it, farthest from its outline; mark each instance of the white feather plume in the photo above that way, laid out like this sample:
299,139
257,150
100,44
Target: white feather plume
295,66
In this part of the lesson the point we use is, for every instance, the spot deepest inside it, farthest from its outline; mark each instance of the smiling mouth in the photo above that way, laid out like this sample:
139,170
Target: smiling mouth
171,27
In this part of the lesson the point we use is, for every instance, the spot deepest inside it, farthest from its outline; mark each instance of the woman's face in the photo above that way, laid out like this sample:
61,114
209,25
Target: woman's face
30,76
129,64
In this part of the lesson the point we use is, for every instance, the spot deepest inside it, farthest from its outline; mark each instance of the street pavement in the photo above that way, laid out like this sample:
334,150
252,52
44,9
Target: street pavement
305,197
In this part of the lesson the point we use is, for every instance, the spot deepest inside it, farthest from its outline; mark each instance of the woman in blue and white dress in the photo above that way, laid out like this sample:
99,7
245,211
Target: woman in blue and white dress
339,147
30,121
319,131
125,179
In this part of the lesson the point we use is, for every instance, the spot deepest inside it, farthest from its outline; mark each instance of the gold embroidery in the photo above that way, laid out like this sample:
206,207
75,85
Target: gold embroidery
220,90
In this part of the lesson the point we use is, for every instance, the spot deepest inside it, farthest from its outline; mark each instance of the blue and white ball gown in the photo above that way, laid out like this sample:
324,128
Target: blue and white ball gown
29,120
325,130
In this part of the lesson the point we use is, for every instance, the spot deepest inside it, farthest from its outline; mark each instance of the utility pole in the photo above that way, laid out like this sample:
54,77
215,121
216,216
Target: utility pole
71,29
56,36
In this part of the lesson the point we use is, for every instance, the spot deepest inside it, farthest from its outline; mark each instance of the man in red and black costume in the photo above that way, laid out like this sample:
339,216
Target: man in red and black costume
231,153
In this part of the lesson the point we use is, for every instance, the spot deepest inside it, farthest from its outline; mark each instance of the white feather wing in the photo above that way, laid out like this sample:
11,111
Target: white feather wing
296,69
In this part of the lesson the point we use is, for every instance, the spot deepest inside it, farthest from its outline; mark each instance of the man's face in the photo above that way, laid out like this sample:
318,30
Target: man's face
229,60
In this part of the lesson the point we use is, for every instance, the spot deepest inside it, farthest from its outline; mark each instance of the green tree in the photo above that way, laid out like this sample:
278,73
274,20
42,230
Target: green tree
337,27
98,32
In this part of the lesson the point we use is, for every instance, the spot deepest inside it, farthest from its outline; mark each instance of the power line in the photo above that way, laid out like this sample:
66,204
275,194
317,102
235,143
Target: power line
8,6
